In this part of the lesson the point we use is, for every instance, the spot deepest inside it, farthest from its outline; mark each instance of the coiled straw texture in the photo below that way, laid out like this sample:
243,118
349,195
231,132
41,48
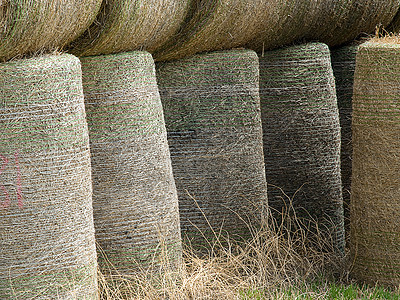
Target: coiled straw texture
126,25
47,241
28,26
375,206
216,25
212,114
343,65
134,196
330,22
302,137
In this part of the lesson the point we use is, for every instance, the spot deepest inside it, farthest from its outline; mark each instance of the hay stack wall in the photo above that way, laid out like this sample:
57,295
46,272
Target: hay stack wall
330,22
375,206
31,26
126,25
212,114
215,25
47,241
134,195
343,65
302,136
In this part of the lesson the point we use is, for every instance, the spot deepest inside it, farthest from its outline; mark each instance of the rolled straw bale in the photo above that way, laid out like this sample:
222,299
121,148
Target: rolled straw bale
219,24
343,65
28,26
126,25
330,22
375,206
134,196
212,113
302,136
338,22
47,241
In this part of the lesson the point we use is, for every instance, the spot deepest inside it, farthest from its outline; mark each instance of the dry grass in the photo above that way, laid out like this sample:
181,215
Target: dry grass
278,257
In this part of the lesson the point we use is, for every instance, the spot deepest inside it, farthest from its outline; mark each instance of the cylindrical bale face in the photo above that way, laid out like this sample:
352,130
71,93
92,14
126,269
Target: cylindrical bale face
28,26
375,206
302,136
126,25
216,25
47,241
343,65
134,196
212,114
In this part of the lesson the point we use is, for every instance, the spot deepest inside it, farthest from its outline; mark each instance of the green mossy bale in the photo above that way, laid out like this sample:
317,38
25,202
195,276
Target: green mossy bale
28,26
47,241
127,25
135,202
375,192
212,113
302,137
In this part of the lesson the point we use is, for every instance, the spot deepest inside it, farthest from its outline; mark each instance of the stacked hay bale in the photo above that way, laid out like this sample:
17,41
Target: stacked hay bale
330,22
47,240
302,136
343,65
134,195
215,25
31,26
126,25
375,207
212,113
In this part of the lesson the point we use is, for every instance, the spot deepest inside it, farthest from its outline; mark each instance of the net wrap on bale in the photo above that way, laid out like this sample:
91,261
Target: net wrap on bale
302,136
212,114
343,65
47,241
134,196
28,26
127,25
375,206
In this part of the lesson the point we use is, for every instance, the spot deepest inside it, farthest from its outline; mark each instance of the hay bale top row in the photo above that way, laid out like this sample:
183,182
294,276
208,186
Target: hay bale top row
172,29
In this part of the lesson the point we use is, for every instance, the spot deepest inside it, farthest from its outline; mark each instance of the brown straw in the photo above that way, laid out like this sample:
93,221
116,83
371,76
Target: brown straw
212,114
47,241
302,137
375,206
29,26
134,195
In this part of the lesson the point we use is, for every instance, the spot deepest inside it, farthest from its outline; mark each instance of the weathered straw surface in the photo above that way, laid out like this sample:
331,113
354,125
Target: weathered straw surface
47,240
134,195
28,26
375,206
126,25
302,135
330,22
343,65
212,114
218,24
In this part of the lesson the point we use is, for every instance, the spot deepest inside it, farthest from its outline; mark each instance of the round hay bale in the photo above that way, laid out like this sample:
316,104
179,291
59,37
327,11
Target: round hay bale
28,26
302,136
47,241
134,196
127,25
216,25
330,22
343,65
212,113
375,206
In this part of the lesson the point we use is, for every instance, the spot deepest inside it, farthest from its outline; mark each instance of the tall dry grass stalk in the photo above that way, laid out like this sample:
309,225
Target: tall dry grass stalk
278,257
